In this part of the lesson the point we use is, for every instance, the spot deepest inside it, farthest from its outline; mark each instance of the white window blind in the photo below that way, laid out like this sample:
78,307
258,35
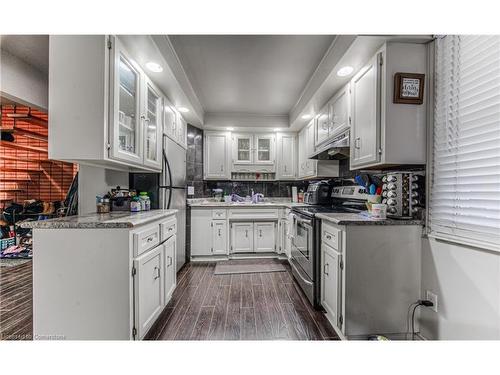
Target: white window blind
465,182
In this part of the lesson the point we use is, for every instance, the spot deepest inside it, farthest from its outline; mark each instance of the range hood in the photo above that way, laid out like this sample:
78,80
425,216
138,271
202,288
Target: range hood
335,149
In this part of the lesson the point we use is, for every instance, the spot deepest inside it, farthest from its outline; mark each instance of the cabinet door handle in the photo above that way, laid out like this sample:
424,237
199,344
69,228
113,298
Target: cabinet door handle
260,232
219,233
327,269
221,168
246,233
157,271
357,141
169,258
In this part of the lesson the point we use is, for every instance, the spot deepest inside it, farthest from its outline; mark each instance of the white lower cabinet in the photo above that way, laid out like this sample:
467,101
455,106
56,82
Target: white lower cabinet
264,237
148,285
170,252
201,232
242,237
331,288
221,231
119,287
219,237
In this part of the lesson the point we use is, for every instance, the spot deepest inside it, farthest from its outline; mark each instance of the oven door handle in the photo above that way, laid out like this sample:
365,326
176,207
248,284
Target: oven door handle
299,273
302,221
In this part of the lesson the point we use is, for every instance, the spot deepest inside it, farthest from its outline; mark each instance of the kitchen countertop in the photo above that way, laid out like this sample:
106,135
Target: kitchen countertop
249,205
358,219
101,221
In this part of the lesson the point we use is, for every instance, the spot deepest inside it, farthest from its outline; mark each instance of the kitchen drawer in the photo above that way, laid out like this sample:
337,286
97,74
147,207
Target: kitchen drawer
253,213
146,239
331,236
168,228
218,214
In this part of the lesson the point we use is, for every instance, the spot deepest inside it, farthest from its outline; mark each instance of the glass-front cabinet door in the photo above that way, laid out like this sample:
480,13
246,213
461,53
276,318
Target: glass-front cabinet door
264,149
243,148
170,119
125,114
152,126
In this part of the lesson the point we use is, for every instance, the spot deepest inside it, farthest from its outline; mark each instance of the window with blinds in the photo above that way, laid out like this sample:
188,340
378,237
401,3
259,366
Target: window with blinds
465,176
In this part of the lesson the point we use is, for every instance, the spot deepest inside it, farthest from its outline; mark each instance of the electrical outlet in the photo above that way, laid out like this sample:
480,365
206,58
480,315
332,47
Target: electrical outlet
433,298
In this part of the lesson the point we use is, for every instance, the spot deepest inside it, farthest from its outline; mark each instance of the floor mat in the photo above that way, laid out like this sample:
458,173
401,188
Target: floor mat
233,266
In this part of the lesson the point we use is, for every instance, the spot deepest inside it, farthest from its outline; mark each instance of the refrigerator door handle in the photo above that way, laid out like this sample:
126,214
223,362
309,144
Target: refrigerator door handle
167,167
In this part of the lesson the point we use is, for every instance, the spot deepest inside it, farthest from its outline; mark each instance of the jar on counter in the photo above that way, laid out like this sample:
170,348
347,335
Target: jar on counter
103,206
135,204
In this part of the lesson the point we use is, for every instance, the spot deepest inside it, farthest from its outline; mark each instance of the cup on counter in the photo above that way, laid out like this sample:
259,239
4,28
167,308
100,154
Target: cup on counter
379,211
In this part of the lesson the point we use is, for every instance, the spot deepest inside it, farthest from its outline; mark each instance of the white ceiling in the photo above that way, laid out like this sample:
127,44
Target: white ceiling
32,49
250,74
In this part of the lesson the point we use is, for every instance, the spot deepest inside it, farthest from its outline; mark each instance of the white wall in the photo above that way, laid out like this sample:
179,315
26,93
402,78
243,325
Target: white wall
467,282
93,181
22,83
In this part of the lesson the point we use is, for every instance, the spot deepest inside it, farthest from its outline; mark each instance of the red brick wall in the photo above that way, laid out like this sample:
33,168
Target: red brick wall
28,174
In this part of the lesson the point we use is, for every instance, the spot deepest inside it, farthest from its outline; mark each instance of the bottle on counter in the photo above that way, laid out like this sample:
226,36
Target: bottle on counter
301,196
145,201
135,204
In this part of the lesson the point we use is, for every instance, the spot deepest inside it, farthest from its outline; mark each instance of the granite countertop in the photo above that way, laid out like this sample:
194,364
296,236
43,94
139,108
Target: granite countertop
99,221
210,203
358,219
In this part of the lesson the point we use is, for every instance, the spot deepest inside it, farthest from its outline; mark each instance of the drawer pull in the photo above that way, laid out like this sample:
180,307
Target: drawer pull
170,229
328,237
150,239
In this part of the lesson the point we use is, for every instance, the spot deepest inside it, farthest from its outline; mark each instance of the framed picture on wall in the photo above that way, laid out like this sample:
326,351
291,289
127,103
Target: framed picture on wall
409,88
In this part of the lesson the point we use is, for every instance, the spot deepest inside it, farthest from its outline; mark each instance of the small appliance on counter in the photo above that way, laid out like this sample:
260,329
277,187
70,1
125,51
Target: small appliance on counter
318,193
404,194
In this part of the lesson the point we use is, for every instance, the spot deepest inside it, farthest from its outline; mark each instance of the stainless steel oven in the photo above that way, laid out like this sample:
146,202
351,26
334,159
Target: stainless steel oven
305,255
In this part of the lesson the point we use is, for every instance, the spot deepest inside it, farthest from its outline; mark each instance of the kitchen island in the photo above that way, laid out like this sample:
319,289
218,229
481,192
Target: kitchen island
102,276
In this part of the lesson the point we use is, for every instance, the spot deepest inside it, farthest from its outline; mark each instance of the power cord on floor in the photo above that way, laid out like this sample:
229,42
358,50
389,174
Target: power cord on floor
415,305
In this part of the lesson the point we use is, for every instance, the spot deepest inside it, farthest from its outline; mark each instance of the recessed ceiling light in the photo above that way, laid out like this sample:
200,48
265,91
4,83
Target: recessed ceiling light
154,67
306,117
345,71
230,128
183,109
277,129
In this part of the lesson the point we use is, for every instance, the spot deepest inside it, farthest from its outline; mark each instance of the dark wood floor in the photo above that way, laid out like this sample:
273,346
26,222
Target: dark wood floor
16,302
262,306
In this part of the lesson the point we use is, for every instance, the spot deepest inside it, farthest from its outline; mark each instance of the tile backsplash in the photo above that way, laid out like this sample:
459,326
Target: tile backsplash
272,189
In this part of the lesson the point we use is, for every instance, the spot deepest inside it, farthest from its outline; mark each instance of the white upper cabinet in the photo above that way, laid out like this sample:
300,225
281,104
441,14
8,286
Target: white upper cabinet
339,111
366,114
333,117
175,127
242,148
264,149
307,167
216,155
323,125
127,117
286,158
152,125
170,120
256,149
384,133
182,131
99,96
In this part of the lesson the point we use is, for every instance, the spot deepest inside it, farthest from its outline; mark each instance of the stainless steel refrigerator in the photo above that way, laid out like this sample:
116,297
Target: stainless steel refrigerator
173,191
